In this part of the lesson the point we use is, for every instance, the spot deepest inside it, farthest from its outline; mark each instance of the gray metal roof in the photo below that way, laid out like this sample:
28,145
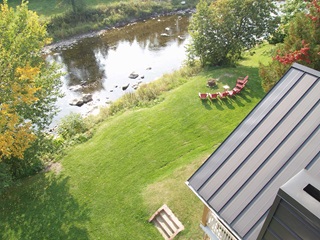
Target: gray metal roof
295,213
280,136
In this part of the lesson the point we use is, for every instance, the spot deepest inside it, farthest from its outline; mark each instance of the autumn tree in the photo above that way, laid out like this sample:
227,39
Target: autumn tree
222,29
29,86
301,44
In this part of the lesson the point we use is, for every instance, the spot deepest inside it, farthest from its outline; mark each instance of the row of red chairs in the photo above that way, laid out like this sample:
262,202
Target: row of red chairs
240,84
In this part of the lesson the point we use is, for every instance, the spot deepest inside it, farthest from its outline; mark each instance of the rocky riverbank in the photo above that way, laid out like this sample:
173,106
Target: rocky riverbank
112,62
72,40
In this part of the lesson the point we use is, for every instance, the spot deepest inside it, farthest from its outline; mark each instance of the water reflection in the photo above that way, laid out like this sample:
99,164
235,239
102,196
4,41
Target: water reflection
101,65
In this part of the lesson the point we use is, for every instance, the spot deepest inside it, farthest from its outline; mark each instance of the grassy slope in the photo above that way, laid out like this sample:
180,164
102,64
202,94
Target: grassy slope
135,162
47,8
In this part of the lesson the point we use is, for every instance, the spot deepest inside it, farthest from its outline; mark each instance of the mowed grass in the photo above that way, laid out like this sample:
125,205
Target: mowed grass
136,161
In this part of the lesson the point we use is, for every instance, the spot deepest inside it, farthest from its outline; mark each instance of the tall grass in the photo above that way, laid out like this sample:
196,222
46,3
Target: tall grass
106,16
148,94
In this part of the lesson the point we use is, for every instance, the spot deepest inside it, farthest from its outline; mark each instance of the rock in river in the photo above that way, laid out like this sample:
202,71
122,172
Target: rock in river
133,75
87,98
125,87
80,101
76,102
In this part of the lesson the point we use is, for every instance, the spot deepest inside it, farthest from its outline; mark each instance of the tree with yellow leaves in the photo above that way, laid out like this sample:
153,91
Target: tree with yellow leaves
29,86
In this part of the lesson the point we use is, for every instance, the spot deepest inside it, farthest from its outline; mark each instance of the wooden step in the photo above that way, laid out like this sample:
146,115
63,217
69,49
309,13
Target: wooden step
166,222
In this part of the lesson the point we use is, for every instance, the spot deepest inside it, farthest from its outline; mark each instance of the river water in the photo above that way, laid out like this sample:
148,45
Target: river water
101,63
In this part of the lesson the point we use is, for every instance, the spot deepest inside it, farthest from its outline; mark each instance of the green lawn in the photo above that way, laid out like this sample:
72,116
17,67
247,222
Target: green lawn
136,161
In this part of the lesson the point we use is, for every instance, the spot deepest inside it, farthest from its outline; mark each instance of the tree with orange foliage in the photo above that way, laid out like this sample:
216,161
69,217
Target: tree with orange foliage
29,86
301,44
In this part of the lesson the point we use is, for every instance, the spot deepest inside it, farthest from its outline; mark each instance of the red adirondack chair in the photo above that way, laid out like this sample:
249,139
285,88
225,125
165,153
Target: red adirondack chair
203,96
232,93
223,94
242,81
213,96
239,86
236,90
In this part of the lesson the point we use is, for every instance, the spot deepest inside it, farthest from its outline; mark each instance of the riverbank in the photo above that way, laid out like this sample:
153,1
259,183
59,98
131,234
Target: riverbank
67,41
100,65
92,16
108,16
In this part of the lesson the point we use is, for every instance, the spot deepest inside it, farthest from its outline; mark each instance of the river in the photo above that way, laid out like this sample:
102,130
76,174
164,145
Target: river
101,63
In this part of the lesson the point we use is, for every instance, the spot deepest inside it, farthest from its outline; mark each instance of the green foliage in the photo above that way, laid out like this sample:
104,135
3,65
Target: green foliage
29,85
64,22
278,36
271,76
303,34
5,177
22,38
221,30
42,151
103,16
72,125
289,10
78,6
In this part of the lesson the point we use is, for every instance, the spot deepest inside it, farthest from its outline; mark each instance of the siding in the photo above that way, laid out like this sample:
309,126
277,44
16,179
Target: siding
295,214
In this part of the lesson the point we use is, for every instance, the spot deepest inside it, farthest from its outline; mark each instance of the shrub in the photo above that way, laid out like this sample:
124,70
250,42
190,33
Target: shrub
300,45
5,177
72,125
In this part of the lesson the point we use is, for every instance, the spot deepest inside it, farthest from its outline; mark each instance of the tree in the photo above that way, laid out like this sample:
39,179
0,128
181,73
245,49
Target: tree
288,11
77,5
301,44
221,30
291,8
29,86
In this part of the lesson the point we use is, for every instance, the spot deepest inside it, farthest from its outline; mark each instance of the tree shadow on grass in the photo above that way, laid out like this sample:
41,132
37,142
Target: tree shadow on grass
228,103
218,104
239,99
42,208
206,104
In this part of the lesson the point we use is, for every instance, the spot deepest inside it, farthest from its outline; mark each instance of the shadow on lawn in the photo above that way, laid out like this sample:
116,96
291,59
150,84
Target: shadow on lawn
42,208
206,103
253,88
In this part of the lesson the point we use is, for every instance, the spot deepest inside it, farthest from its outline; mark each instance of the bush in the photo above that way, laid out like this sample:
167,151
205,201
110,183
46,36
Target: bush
5,177
72,125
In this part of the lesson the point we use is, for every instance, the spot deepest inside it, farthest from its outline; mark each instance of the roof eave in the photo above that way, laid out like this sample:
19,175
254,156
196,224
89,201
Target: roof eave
214,212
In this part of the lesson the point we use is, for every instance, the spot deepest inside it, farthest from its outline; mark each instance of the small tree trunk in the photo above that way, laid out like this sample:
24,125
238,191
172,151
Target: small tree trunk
74,7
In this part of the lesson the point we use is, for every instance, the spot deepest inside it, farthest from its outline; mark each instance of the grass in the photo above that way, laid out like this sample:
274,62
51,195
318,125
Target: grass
48,8
95,15
136,161
261,54
62,22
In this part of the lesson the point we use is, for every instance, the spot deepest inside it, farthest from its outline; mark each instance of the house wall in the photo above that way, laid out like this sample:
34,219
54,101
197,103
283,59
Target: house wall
214,229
